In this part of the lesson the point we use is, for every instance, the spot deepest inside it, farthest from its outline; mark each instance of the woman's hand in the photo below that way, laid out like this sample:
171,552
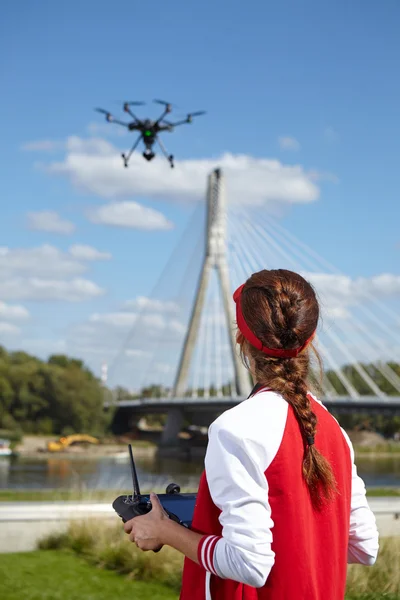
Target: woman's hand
147,531
156,529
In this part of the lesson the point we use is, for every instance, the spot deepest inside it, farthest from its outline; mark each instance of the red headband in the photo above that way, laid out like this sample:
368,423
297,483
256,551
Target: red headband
254,341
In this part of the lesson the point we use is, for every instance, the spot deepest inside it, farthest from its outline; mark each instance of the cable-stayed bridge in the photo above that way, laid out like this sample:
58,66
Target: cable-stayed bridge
193,368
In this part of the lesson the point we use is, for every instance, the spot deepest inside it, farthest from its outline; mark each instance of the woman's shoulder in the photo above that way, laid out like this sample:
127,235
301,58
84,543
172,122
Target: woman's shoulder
259,420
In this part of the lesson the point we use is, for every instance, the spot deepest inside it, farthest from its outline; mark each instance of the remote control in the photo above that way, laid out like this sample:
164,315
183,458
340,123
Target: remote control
179,507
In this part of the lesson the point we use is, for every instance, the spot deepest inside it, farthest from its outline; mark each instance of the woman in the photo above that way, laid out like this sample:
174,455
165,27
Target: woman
280,509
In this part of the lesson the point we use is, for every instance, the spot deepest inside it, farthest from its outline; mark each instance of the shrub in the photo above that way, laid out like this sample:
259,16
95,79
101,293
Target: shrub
108,547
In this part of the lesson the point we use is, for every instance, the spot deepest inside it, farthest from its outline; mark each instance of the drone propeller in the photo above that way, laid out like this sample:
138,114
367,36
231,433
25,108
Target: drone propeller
163,102
197,113
102,111
135,103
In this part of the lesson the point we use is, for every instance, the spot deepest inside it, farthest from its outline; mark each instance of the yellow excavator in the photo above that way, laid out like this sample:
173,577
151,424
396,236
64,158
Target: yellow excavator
64,442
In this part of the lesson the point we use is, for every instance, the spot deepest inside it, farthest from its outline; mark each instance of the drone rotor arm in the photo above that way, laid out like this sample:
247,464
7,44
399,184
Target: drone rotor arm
182,122
132,150
129,111
165,126
118,122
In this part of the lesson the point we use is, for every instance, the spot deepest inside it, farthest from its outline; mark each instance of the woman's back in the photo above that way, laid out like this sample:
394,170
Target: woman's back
310,543
255,456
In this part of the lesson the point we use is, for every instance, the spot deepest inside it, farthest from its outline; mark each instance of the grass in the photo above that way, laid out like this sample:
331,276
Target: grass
58,495
55,575
380,581
394,492
55,495
110,495
110,549
383,448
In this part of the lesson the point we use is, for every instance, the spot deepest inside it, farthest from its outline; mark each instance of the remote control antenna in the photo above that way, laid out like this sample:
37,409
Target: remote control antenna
135,481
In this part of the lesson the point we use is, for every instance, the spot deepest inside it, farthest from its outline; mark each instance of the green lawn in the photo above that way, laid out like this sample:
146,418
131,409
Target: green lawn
67,495
61,575
55,575
110,495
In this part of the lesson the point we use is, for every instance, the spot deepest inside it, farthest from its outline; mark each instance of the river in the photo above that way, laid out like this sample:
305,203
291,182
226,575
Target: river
153,473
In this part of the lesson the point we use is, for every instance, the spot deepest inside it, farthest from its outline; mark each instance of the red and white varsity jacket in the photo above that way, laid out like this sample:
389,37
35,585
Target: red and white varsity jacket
263,540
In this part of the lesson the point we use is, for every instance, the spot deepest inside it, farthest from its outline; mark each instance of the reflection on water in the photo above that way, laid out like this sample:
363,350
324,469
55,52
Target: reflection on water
379,472
153,473
102,474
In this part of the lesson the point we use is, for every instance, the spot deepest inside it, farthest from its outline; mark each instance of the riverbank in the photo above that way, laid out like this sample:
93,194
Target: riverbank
85,495
35,446
24,524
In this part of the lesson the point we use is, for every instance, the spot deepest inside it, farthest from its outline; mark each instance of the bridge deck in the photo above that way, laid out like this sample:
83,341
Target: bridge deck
216,403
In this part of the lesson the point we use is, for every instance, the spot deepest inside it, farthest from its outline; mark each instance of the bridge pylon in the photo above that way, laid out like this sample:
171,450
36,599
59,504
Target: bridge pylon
215,258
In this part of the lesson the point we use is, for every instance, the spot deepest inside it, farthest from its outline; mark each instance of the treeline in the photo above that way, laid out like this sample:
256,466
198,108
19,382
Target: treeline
379,374
58,396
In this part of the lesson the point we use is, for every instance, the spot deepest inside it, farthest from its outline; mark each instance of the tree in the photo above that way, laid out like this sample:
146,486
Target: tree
50,397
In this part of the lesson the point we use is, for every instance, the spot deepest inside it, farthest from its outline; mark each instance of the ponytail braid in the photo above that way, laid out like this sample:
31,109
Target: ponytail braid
288,377
281,309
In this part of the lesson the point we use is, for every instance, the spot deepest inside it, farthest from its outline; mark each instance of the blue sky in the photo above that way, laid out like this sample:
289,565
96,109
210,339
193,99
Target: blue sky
321,75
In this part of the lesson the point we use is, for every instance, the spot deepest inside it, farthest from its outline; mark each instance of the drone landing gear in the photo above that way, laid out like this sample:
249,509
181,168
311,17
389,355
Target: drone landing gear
126,157
169,157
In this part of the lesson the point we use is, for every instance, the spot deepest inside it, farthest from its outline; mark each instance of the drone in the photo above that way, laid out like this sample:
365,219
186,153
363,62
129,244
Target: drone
149,130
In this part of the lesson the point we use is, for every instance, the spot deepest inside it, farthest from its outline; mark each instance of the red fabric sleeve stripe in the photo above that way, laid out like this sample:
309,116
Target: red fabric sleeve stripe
205,552
210,554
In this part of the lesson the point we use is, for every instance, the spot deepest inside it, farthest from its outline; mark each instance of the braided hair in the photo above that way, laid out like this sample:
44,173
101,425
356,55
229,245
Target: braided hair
281,309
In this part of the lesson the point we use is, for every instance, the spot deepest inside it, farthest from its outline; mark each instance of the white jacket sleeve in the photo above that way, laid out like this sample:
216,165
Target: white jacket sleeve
363,533
235,468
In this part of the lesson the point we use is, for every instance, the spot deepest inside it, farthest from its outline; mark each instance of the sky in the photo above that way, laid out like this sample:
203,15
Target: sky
302,115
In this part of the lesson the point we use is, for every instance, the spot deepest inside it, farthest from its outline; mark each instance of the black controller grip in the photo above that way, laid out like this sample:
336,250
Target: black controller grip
128,509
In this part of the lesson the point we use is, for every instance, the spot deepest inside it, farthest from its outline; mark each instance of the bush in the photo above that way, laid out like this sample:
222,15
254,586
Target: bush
108,547
14,435
380,581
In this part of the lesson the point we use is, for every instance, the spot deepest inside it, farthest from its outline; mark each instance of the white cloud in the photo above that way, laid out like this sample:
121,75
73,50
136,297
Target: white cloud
151,321
50,221
7,328
43,261
288,143
343,291
13,312
47,273
84,252
42,146
136,353
142,303
44,347
129,214
34,288
94,165
339,293
338,312
47,261
116,319
163,368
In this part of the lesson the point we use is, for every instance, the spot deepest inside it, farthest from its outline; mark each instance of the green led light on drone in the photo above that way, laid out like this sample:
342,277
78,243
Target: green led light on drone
147,133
